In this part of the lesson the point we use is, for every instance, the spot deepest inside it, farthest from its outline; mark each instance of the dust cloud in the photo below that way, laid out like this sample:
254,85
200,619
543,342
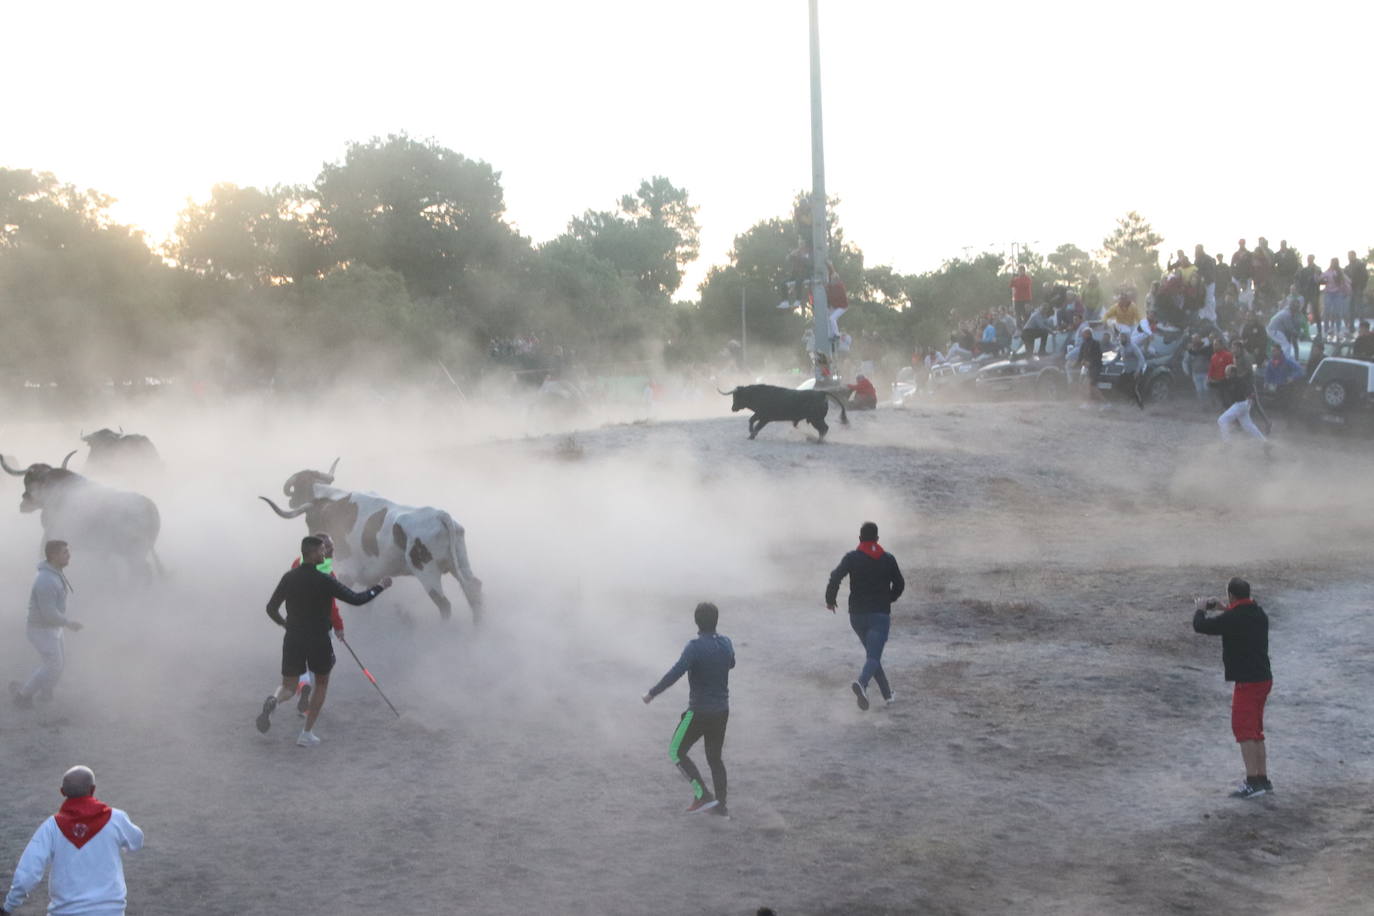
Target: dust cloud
1059,744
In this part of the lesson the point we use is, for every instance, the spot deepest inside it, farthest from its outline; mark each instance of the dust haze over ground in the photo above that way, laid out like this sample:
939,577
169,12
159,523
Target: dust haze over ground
1061,742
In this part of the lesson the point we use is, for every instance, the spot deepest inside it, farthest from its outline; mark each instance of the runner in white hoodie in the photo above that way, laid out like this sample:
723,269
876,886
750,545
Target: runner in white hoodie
82,844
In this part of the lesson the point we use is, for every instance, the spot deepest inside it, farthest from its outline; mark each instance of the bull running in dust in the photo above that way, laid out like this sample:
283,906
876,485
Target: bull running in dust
375,537
112,450
770,403
91,518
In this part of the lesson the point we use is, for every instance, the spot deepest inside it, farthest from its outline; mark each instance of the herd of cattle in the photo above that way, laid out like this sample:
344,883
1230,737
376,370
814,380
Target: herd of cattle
374,537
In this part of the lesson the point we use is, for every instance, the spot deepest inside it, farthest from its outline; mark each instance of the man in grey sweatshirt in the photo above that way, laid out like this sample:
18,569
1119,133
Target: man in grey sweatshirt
47,619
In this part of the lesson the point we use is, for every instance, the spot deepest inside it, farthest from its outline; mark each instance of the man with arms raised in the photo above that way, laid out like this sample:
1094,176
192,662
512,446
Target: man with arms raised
82,844
308,595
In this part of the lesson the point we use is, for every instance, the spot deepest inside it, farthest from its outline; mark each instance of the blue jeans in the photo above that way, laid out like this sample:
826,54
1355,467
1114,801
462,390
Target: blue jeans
872,628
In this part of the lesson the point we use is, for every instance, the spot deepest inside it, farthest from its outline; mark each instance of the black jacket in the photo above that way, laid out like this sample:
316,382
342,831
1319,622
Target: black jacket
1244,632
873,584
308,594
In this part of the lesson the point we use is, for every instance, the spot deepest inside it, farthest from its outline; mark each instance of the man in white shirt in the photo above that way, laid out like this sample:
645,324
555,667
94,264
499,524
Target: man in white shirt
82,843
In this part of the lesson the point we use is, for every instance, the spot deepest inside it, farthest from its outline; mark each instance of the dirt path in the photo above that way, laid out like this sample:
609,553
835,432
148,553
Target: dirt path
1060,744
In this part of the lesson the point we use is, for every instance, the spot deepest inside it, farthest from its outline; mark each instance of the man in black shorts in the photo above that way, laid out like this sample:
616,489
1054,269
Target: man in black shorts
1090,358
308,594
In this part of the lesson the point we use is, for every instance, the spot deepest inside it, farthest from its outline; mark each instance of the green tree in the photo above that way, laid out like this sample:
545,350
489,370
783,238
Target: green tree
1070,265
82,299
426,212
1132,251
261,237
650,240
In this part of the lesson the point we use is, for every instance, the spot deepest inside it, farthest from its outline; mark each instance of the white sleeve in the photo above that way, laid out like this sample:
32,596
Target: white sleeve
130,836
28,874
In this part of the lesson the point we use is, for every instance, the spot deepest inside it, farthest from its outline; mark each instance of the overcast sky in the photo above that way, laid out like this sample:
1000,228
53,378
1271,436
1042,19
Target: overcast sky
947,125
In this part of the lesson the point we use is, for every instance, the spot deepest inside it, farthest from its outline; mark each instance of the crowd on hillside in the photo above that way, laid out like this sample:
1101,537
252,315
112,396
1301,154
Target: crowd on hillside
1256,292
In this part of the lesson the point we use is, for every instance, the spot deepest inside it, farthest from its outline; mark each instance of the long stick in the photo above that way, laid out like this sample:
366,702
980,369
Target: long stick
367,673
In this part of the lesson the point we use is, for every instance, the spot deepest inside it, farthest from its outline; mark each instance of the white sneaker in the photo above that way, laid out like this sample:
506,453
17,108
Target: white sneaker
891,698
308,739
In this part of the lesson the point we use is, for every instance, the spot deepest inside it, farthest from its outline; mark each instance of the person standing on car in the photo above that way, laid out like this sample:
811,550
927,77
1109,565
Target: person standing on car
1037,330
1244,631
875,583
1285,328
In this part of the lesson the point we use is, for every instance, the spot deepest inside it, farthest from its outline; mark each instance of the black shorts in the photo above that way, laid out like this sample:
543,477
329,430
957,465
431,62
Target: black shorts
306,651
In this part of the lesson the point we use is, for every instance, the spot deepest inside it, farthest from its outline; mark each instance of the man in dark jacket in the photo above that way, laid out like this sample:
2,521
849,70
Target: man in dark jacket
875,583
309,596
1244,631
706,661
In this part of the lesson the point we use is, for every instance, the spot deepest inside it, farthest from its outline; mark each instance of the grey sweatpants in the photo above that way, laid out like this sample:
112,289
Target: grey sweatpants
48,642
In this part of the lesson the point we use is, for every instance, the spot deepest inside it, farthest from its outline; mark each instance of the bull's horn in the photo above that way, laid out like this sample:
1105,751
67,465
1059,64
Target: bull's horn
68,458
8,469
728,393
330,473
282,512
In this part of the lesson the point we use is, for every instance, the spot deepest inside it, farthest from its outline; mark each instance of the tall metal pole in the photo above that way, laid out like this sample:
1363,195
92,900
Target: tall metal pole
743,330
820,258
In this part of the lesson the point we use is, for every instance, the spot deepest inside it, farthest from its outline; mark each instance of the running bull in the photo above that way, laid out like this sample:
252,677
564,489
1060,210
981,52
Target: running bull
375,537
117,450
770,403
90,517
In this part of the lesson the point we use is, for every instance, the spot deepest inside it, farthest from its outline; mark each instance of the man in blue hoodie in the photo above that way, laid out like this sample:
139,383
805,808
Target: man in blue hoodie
706,661
875,583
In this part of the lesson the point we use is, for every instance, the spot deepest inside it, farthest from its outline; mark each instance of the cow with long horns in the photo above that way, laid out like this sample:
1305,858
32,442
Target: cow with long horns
92,518
770,403
375,537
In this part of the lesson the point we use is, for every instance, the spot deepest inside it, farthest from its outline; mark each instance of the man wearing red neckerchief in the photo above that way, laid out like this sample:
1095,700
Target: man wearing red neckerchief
82,844
875,583
1244,631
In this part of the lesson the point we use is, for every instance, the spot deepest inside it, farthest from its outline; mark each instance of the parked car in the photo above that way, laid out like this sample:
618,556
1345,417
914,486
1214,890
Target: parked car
1340,395
1027,376
1163,369
955,379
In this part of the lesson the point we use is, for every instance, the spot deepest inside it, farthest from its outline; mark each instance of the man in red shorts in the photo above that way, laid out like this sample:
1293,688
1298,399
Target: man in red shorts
1244,631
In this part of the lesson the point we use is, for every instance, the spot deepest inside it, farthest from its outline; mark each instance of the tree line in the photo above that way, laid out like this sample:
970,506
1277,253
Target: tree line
399,256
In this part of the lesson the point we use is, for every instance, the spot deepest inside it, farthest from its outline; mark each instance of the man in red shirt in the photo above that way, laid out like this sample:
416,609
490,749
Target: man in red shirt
1216,369
863,396
1021,294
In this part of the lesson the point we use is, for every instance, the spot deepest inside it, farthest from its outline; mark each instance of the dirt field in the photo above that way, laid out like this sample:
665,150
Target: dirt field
1061,739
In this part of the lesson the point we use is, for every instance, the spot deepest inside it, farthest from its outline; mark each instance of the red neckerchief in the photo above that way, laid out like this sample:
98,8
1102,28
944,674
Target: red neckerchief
871,548
1236,604
80,819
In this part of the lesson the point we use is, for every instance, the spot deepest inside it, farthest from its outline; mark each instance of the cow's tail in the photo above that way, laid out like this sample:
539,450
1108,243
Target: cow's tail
462,570
844,415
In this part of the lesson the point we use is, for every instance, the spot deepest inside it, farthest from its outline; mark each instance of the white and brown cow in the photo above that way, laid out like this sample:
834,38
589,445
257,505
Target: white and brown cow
375,537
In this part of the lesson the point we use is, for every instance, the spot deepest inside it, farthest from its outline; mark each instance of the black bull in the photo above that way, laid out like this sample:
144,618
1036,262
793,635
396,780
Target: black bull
771,403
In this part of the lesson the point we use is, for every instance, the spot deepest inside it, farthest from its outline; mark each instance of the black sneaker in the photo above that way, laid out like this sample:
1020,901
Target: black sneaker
264,721
1250,790
1269,787
720,811
860,694
303,704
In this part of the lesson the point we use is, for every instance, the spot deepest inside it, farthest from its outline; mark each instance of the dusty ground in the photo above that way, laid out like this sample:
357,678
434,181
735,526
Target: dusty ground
1060,745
